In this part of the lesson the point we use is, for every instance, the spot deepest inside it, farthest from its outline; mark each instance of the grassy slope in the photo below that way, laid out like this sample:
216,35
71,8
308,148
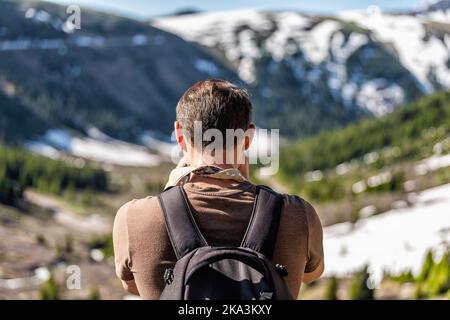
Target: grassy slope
407,128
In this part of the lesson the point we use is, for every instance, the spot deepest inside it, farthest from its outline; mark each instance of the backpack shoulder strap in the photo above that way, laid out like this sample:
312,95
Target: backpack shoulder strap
263,227
181,227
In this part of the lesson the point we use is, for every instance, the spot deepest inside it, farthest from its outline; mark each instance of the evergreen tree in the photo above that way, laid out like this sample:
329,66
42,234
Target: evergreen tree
20,169
426,267
332,287
49,290
360,289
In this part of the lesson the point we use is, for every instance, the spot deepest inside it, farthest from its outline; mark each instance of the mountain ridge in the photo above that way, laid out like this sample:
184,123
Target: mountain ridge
357,62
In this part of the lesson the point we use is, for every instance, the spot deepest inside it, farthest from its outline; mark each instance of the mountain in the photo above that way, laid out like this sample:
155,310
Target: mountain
442,5
184,11
122,78
317,72
117,75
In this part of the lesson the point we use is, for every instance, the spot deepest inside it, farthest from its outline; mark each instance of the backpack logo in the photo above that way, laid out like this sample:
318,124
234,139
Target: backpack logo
265,295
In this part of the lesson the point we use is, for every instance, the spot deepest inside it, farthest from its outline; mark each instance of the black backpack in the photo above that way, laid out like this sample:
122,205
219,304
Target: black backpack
203,272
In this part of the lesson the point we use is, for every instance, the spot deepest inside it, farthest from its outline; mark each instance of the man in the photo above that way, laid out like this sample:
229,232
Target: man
221,198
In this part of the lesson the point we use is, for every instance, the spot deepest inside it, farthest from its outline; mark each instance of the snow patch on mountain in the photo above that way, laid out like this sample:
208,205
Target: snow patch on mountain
218,29
208,67
290,26
379,97
437,15
192,27
317,44
408,36
43,149
114,152
349,247
97,147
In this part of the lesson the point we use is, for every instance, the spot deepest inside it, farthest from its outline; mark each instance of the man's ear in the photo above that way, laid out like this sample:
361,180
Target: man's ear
250,134
179,136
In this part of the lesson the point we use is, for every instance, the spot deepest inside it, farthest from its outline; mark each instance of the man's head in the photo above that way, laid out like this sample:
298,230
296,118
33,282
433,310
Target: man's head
216,105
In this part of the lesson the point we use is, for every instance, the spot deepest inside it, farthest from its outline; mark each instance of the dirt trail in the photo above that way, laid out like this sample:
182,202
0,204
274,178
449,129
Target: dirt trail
92,224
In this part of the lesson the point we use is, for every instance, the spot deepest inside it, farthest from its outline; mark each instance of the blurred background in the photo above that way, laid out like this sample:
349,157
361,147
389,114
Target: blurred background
358,90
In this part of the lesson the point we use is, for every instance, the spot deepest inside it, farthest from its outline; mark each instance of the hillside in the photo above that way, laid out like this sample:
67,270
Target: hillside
412,130
370,166
118,75
20,169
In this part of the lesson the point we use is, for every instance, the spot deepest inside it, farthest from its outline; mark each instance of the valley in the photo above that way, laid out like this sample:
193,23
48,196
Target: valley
361,100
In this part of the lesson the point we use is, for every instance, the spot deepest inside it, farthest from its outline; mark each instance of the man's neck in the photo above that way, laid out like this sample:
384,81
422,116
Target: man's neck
199,161
196,160
221,166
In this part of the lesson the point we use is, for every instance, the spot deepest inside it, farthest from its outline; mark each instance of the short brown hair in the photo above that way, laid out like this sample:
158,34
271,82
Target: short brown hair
217,104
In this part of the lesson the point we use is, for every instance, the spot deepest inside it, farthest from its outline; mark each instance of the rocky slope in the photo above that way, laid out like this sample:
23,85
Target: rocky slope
315,69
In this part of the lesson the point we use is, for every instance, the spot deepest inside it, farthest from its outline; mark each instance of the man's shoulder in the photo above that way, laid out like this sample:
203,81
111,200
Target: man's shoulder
144,211
139,212
291,201
141,204
298,208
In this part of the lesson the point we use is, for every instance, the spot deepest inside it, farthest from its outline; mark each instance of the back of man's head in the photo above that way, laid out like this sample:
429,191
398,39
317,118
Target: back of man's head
216,104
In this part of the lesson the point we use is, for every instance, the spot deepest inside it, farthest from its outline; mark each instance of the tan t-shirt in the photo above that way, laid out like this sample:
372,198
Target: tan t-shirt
222,210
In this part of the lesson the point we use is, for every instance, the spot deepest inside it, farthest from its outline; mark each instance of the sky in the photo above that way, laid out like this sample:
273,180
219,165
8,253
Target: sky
145,9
